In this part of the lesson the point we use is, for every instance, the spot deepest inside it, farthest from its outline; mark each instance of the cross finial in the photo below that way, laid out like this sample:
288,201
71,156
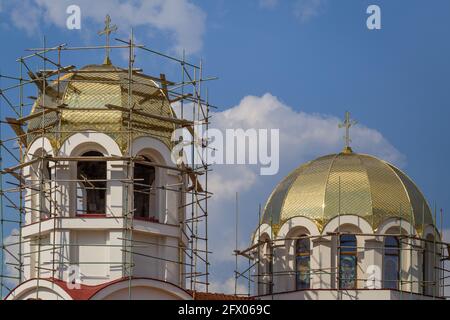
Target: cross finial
107,32
347,124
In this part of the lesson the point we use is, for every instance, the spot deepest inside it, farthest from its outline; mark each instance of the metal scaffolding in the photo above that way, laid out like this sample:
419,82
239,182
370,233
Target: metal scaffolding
21,92
260,276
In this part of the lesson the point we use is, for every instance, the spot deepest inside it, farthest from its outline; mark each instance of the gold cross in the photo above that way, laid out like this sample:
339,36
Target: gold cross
107,32
347,124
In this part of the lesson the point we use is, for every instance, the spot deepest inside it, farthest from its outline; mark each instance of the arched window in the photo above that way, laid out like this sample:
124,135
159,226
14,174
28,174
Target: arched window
302,262
348,262
46,192
91,186
144,191
391,263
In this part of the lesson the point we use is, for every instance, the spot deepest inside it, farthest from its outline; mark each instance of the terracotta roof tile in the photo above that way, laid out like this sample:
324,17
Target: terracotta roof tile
217,296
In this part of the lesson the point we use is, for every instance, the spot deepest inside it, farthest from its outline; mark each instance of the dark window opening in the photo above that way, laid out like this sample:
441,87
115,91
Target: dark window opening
302,260
144,191
391,267
46,194
347,262
91,186
41,201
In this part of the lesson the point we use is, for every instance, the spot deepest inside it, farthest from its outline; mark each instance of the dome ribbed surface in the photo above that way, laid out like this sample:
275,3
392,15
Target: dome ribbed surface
85,94
347,184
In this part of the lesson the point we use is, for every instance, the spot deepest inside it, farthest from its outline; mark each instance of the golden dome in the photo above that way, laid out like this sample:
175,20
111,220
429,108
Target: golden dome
349,183
81,100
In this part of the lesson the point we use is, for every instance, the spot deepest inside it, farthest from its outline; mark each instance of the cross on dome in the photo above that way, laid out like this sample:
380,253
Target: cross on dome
107,32
347,124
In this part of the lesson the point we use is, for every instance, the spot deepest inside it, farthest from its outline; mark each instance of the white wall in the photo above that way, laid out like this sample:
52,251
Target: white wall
99,242
324,257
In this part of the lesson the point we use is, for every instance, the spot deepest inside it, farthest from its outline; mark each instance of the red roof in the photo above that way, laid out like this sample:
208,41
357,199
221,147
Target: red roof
85,292
216,296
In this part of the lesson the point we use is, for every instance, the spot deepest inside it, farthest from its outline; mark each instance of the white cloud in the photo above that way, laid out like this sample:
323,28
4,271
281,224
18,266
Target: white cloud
268,3
181,19
228,287
303,137
446,235
305,10
25,16
239,179
10,258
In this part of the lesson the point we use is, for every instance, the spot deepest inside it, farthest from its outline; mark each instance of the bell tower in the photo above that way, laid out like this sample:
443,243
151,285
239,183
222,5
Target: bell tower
100,200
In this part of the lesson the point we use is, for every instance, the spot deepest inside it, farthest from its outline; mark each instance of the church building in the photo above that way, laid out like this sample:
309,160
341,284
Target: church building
348,226
108,215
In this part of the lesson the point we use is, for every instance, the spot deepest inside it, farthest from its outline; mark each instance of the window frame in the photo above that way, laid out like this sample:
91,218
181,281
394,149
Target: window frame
349,253
300,256
387,252
151,216
85,213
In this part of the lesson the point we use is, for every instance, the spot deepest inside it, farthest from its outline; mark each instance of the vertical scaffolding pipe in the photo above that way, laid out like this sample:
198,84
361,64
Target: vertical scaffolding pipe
53,214
411,248
338,243
21,174
400,254
435,268
206,193
258,268
2,274
236,244
442,263
197,166
193,215
182,81
424,252
130,166
249,283
271,253
41,176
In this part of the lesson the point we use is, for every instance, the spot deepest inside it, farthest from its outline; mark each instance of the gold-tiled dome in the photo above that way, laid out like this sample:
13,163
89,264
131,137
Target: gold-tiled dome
84,94
347,184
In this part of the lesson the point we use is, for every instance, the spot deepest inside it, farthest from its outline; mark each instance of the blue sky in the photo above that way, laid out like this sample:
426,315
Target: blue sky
312,59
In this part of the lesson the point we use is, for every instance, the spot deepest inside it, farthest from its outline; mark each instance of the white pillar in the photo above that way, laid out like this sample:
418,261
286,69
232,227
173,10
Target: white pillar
321,263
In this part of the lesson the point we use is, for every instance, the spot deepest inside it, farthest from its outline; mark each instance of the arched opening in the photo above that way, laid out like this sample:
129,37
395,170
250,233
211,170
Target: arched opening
145,191
91,185
303,263
348,261
40,188
46,190
391,263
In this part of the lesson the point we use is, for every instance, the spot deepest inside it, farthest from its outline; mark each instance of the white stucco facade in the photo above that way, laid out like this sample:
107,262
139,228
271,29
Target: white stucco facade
98,245
324,260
